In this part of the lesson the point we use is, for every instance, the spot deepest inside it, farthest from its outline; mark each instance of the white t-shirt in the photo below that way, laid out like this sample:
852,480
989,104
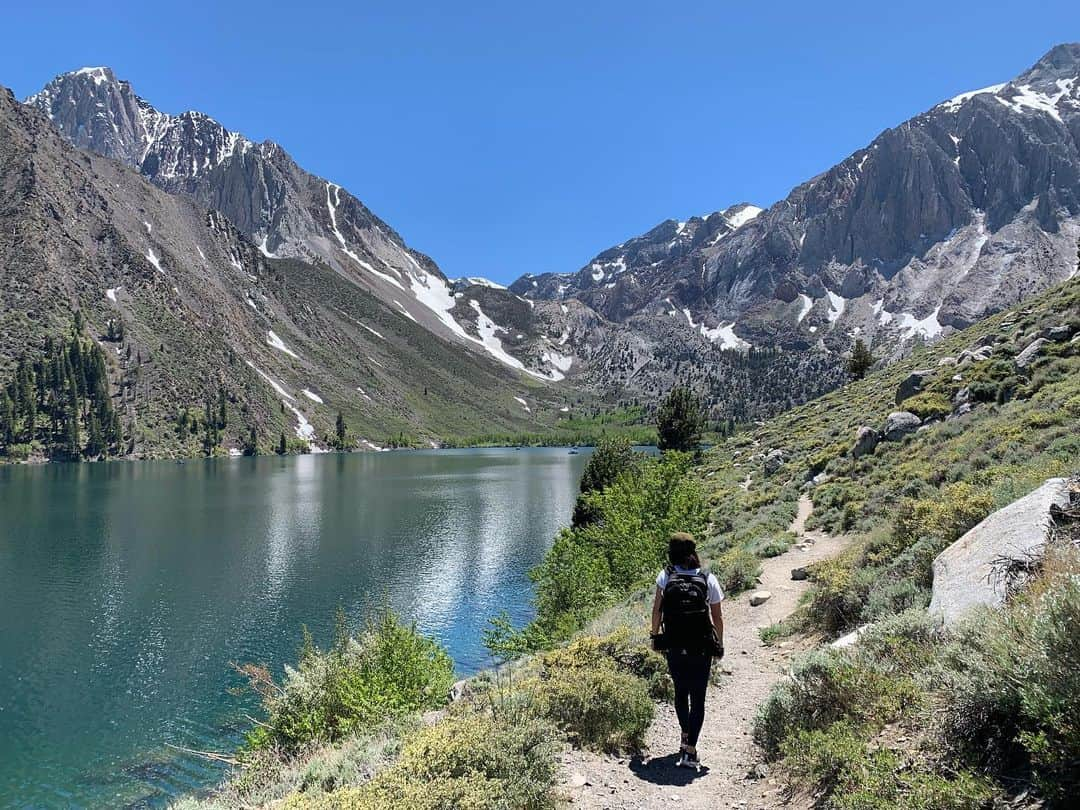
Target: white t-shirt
716,595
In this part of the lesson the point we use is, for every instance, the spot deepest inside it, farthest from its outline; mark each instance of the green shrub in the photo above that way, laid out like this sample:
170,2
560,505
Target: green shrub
19,452
773,633
946,515
1017,677
928,405
771,545
737,570
820,460
891,596
852,773
390,671
903,644
597,704
470,762
617,649
835,604
826,687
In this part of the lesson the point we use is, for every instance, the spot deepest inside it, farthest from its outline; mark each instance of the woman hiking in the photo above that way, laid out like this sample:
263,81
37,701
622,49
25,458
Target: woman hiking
687,607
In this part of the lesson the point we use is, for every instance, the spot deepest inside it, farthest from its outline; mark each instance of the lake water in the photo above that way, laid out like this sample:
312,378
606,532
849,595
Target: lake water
126,589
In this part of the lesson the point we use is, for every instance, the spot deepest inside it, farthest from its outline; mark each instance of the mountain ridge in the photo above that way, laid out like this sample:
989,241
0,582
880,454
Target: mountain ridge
286,343
285,210
985,185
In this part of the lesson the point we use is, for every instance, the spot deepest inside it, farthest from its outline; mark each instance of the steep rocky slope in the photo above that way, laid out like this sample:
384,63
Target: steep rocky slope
954,214
290,342
285,210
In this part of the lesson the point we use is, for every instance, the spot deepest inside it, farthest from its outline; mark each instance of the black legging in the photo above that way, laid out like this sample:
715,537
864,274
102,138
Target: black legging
690,673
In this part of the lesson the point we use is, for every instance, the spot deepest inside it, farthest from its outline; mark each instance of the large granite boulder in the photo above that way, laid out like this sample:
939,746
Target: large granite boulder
899,424
1030,353
866,439
774,460
964,573
912,384
1057,334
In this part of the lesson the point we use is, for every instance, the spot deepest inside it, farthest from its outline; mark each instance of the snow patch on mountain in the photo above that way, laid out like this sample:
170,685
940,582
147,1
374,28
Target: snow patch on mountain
524,405
100,75
312,396
488,331
884,316
954,102
264,249
475,281
929,327
153,259
275,341
725,333
807,303
278,387
837,304
1023,97
304,429
741,217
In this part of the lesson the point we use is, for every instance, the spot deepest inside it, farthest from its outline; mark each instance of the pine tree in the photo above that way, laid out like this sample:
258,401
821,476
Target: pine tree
222,416
72,442
211,437
7,418
340,430
95,444
116,434
282,448
861,360
252,446
679,420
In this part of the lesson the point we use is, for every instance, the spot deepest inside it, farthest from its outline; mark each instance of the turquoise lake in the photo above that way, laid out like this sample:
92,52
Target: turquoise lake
127,589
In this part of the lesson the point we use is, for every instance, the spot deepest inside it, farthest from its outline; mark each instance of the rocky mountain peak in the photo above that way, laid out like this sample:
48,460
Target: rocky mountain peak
1060,62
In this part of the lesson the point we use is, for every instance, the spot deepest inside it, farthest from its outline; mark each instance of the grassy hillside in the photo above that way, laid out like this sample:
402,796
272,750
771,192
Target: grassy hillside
912,716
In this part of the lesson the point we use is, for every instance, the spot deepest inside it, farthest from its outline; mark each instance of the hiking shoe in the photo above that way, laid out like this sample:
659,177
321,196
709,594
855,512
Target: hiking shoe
688,760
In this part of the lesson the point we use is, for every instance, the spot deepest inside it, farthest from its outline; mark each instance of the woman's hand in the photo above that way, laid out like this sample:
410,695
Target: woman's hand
658,599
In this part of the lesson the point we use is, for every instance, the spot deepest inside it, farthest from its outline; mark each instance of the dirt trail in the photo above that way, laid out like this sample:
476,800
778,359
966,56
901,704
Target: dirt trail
726,747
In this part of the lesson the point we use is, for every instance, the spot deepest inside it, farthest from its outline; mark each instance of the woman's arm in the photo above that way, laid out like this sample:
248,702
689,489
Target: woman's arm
658,598
717,616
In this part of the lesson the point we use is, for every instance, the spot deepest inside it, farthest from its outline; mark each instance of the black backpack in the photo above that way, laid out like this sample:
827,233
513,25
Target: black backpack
686,610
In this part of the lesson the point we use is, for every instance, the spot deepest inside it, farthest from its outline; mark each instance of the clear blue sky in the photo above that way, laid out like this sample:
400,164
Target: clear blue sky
504,138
